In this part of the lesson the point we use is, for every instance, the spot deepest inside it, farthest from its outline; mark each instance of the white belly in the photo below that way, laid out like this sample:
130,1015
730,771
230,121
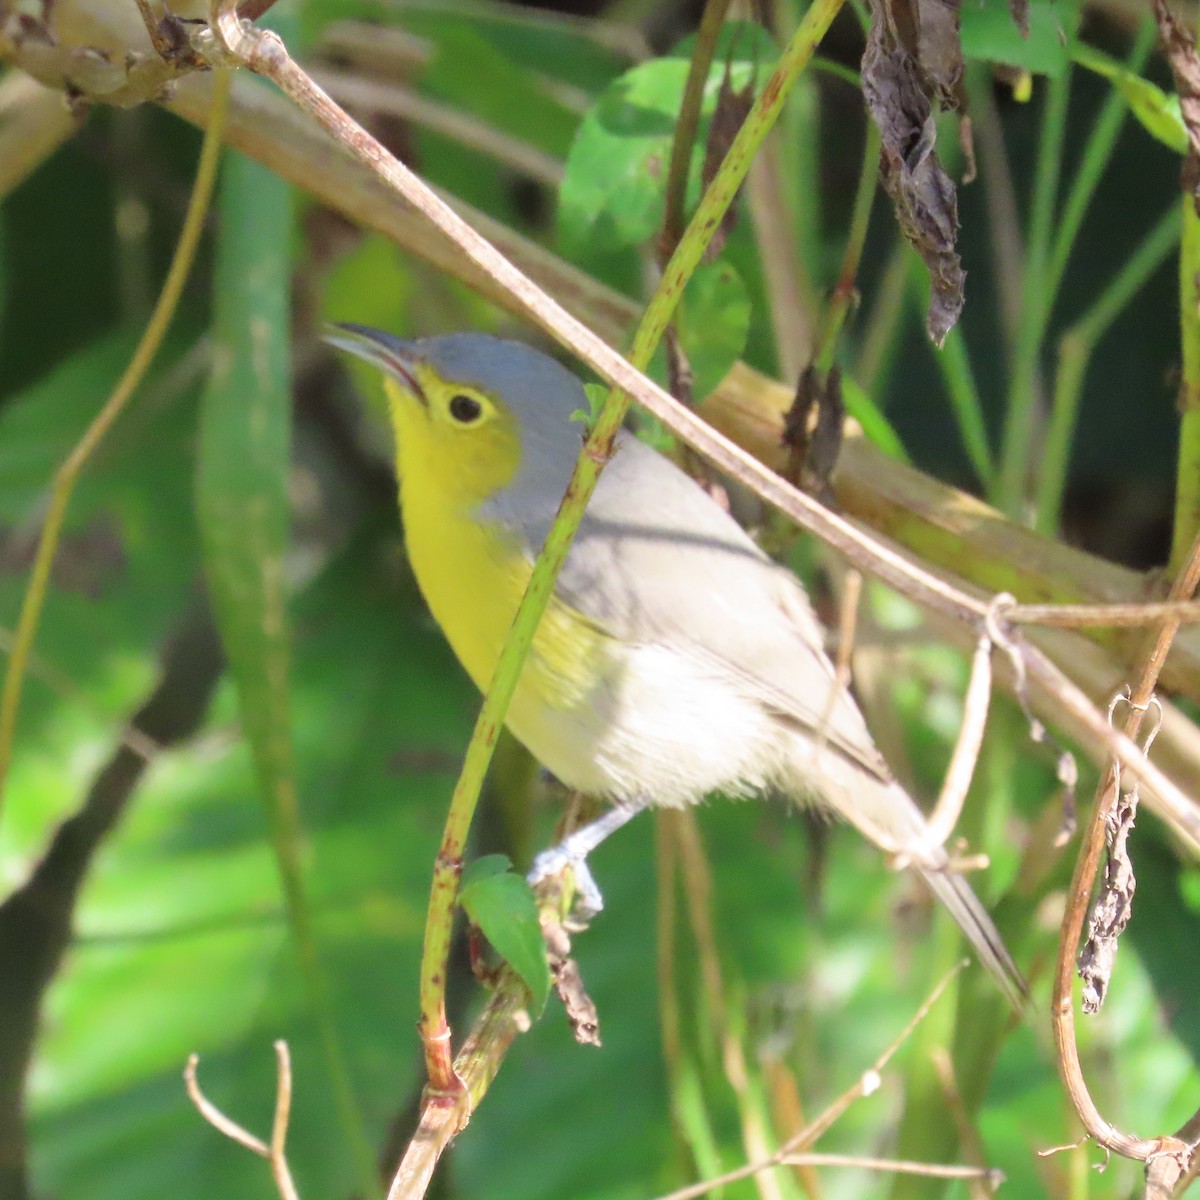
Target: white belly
663,726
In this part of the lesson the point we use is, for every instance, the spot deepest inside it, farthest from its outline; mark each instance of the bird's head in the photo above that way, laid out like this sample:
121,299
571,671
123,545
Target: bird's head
473,412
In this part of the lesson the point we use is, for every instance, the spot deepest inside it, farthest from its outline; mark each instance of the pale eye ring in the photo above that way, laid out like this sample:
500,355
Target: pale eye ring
465,409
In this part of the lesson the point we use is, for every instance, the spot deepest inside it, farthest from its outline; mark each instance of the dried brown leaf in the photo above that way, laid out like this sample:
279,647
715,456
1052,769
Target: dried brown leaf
897,92
568,983
1179,45
1113,907
939,51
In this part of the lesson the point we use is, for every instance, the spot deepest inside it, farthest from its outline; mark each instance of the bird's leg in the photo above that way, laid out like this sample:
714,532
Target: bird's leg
573,850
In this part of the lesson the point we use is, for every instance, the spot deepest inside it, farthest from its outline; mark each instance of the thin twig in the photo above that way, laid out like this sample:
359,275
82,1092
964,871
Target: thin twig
698,887
688,123
67,474
1189,1134
984,1185
1117,616
503,1018
793,1152
468,130
869,1081
215,1117
1091,850
961,770
896,1166
275,1153
891,1165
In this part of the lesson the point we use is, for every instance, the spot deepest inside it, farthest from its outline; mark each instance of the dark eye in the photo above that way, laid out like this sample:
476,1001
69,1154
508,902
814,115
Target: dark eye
465,408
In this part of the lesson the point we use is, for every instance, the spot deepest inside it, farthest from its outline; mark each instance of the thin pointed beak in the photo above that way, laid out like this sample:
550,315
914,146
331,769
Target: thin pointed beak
391,354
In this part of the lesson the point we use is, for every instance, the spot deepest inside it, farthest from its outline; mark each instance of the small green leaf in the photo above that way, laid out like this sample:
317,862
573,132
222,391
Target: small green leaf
487,867
243,454
1156,110
875,425
713,321
502,905
989,33
474,75
596,394
615,184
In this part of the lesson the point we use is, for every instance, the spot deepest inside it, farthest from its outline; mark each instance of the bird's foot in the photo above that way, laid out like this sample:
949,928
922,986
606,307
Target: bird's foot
573,851
588,901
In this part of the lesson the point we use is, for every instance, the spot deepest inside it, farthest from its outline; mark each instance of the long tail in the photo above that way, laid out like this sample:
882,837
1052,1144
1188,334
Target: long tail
967,909
858,788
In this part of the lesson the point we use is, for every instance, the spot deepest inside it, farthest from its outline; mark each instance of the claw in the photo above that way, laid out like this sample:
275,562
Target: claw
588,899
572,852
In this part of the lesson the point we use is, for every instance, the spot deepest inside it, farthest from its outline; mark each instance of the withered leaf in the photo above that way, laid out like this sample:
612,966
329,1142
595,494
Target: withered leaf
1180,46
568,983
897,91
939,51
1112,908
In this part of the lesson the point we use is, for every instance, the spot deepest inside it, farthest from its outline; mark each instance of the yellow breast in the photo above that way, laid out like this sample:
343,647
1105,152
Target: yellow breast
473,575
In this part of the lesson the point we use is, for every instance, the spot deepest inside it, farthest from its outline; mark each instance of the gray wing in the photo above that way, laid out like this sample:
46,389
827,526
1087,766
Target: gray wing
657,560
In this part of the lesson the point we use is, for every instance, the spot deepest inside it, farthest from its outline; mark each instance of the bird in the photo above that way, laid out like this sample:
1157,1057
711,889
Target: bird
675,660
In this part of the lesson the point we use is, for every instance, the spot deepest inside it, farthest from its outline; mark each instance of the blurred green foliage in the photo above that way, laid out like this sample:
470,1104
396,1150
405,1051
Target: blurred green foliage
183,939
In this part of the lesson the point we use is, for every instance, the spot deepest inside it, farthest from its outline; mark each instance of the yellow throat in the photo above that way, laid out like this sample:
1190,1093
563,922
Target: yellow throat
472,571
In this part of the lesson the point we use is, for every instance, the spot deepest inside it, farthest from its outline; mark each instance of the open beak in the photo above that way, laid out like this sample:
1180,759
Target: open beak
391,354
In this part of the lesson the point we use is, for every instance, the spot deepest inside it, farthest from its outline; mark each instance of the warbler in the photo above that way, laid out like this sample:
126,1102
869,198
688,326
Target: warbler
675,659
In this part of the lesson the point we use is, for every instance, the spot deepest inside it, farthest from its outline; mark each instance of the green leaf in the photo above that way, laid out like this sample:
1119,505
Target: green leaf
181,942
482,869
244,453
243,507
989,33
596,394
713,320
501,903
875,425
1156,110
125,569
615,184
473,75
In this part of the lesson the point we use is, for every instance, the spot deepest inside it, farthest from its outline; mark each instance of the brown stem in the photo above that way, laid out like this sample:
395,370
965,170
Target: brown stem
1090,853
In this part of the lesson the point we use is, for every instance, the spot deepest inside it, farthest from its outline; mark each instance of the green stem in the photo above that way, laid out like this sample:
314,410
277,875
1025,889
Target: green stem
689,122
1187,485
67,474
955,365
1036,304
877,346
1097,154
595,454
1074,354
844,294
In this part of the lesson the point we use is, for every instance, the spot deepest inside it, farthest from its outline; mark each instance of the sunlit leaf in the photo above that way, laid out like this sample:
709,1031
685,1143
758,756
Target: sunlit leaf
713,320
1157,111
502,905
989,33
615,185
